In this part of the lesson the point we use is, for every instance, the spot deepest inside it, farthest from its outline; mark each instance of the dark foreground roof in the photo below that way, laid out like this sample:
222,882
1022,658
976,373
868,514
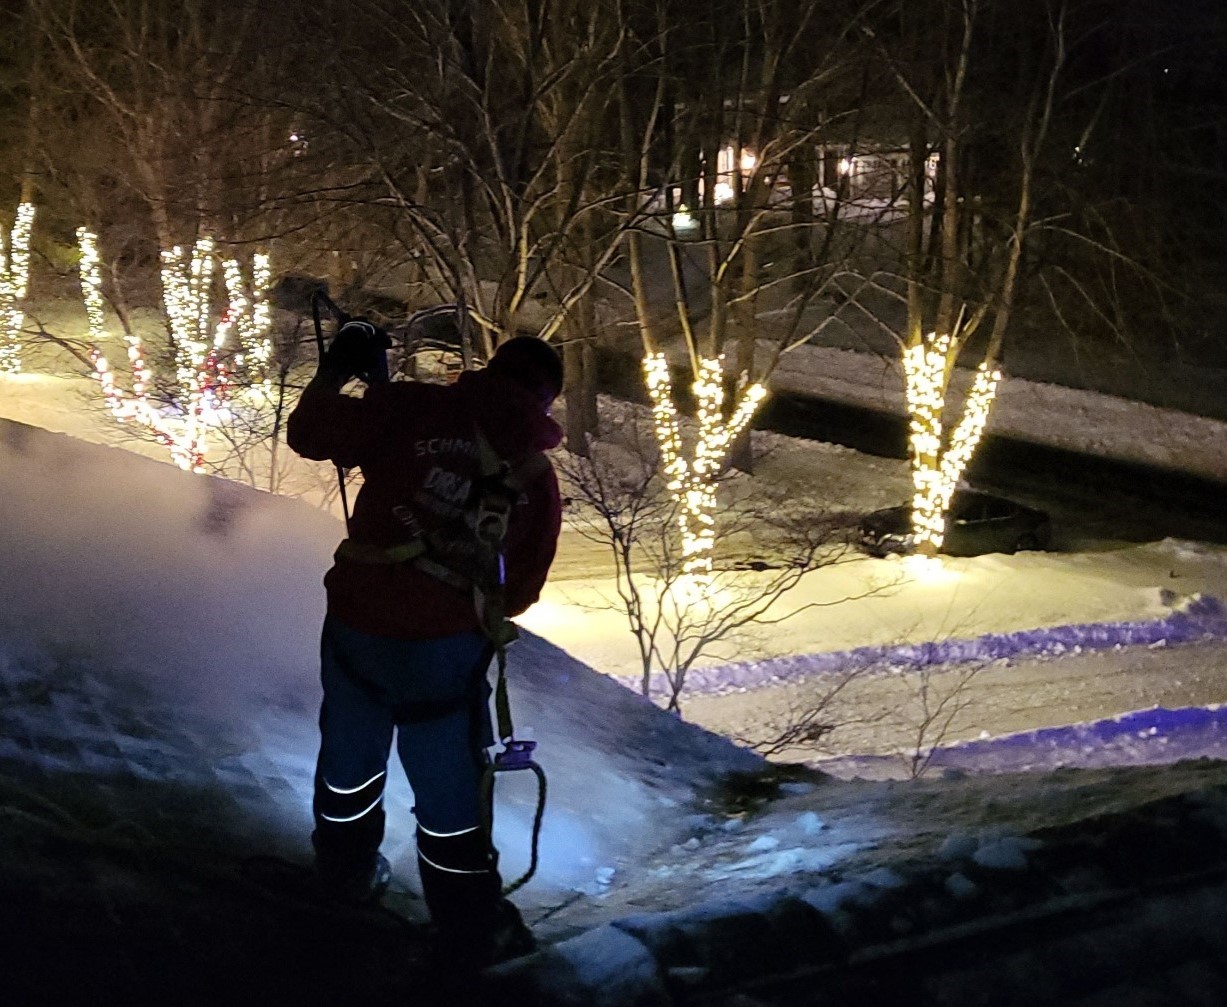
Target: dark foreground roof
1121,910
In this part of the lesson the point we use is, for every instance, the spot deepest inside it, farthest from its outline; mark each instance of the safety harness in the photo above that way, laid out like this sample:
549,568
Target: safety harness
488,516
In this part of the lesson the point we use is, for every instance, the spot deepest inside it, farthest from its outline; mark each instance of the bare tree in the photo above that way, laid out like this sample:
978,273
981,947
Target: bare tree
721,126
806,727
620,499
15,258
163,77
910,706
935,699
177,178
480,133
999,112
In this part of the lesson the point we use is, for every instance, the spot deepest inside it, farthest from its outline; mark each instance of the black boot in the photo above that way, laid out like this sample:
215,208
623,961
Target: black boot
476,926
349,829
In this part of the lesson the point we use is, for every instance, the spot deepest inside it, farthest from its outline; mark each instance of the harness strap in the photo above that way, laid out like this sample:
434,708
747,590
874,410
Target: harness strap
374,555
515,477
417,550
500,483
440,572
502,704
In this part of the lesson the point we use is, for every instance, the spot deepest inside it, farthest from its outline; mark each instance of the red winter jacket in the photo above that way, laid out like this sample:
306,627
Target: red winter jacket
415,445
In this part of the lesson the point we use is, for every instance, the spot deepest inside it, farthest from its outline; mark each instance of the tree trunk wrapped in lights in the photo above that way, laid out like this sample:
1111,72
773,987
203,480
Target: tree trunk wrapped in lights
129,407
206,351
937,463
14,281
692,481
965,235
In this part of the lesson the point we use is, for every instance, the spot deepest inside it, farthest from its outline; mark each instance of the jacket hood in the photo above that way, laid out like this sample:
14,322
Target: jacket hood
510,415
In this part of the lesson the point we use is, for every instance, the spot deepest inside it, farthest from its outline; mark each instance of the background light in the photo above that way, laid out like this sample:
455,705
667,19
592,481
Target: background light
14,282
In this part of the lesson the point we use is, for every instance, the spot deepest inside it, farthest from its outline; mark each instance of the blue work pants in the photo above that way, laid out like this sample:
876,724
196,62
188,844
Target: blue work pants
432,698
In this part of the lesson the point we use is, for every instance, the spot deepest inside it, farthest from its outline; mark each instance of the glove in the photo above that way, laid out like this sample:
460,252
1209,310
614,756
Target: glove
358,350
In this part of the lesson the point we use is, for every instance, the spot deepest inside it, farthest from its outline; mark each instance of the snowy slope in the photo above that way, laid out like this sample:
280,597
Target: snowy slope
141,595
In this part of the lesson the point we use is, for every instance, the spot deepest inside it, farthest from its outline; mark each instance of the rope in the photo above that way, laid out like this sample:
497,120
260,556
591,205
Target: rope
487,813
538,817
516,756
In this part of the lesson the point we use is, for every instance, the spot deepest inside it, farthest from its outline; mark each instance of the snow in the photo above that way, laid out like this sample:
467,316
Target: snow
1075,419
161,628
203,598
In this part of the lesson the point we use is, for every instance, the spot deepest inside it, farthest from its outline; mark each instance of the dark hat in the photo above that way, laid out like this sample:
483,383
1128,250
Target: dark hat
531,362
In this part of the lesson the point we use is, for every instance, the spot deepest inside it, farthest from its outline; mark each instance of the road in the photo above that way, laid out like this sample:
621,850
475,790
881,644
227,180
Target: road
885,713
1089,497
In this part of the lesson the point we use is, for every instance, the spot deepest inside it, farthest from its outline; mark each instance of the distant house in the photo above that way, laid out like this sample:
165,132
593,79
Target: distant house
863,174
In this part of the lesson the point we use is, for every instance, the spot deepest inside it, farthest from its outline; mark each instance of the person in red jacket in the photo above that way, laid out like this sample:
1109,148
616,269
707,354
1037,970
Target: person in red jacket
404,651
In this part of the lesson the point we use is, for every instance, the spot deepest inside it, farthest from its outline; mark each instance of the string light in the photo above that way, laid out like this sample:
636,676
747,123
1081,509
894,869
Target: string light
203,378
262,311
14,282
969,430
936,472
250,317
693,482
91,284
668,436
924,368
126,407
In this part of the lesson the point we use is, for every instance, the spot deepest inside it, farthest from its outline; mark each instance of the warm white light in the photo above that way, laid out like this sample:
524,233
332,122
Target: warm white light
247,314
723,193
683,219
748,161
846,164
693,481
924,368
936,470
91,285
131,406
969,430
696,595
928,570
261,312
14,282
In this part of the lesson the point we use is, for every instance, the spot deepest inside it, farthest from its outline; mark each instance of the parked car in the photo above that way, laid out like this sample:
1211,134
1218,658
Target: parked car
977,523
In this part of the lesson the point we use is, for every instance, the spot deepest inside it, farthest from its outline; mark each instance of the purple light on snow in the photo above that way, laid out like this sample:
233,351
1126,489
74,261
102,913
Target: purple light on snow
1142,737
1200,618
